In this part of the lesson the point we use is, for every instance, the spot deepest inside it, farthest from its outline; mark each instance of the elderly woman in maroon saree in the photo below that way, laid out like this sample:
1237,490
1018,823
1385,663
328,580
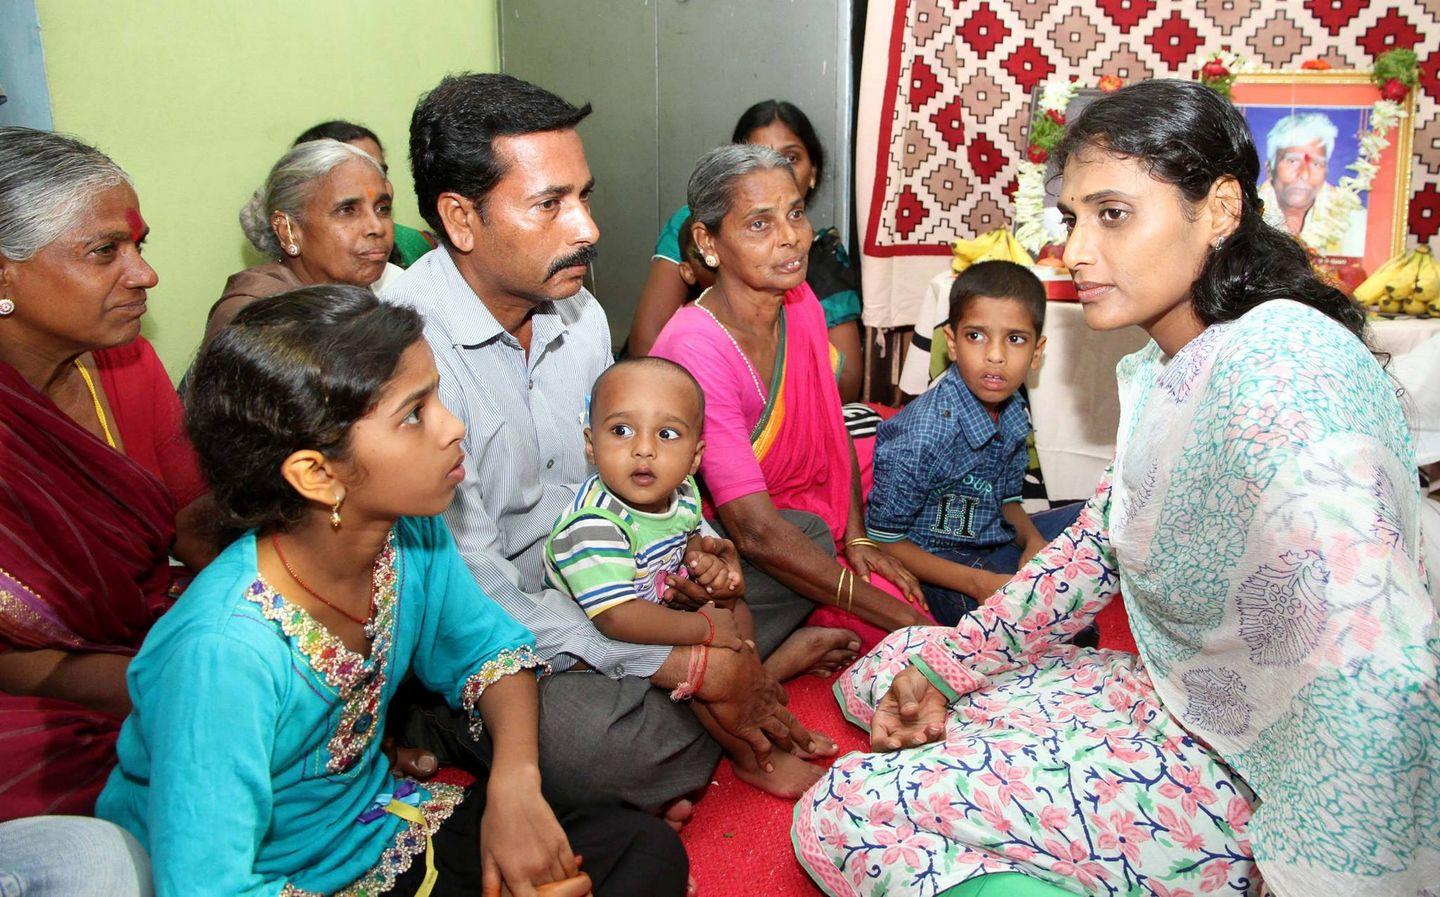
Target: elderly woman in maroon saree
99,486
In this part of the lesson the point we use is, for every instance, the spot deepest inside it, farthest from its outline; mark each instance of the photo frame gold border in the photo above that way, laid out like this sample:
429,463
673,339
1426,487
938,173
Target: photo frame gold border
1404,143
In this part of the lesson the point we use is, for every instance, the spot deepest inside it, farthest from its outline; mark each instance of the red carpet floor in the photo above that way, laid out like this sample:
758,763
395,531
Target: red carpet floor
739,837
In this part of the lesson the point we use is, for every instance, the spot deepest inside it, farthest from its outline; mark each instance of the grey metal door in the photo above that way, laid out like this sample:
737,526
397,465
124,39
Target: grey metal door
668,79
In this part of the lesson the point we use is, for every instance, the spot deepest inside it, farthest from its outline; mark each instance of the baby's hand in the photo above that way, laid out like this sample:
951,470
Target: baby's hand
727,634
715,564
709,571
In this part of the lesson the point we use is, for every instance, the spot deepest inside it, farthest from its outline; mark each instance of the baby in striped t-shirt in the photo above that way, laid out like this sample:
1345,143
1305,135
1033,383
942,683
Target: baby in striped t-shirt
632,525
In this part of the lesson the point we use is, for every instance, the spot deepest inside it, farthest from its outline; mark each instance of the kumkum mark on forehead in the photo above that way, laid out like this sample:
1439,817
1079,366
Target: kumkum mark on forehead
137,224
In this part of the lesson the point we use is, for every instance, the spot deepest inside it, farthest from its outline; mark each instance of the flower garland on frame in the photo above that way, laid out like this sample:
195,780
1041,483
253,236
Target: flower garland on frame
1396,73
1048,130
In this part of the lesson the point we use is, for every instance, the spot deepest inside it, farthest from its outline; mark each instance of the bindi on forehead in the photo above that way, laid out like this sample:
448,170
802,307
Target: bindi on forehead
136,223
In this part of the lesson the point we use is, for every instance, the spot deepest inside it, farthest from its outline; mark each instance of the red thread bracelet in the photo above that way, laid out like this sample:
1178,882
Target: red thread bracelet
709,639
694,676
699,678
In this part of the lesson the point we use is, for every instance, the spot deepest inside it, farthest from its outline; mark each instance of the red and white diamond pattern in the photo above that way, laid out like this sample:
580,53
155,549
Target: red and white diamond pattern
966,69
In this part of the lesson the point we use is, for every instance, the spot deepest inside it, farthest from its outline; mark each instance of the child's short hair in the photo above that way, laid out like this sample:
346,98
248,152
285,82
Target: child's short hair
998,280
657,363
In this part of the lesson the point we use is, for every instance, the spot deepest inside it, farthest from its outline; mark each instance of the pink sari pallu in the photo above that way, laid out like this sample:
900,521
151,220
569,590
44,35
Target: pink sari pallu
800,439
801,443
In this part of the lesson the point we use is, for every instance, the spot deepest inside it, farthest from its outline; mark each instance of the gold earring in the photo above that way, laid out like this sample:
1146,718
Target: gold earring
293,248
335,513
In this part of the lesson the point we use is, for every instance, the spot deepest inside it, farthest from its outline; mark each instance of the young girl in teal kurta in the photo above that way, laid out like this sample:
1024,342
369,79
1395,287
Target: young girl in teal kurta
252,762
253,754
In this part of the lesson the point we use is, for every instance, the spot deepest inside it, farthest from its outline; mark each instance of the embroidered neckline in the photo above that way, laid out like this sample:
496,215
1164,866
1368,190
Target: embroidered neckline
358,681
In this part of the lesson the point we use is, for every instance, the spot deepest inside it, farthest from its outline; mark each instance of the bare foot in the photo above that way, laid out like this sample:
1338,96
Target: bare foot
678,813
814,649
790,779
824,746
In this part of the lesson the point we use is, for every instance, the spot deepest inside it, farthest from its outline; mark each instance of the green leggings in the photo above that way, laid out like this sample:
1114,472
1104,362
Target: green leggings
1005,884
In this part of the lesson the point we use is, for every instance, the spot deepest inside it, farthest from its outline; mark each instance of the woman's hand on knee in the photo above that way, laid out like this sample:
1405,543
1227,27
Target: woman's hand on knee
867,559
912,713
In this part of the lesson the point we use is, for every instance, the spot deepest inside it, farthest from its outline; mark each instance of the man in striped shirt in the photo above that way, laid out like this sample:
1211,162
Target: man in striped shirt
501,176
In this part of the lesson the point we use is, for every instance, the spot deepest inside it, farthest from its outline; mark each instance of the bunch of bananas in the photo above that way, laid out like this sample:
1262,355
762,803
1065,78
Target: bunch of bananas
1407,284
998,245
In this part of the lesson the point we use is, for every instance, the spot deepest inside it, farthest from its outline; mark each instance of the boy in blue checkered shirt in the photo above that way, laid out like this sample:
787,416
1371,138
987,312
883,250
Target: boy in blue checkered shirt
949,469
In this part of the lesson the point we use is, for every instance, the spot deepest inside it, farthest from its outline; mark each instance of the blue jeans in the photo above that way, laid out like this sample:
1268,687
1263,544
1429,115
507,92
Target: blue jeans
73,856
949,606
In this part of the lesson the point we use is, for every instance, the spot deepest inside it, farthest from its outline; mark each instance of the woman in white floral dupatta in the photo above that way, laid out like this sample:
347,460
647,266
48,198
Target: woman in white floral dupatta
1280,729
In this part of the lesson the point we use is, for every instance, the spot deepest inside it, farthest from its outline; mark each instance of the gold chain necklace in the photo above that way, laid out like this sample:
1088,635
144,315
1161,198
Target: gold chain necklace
95,397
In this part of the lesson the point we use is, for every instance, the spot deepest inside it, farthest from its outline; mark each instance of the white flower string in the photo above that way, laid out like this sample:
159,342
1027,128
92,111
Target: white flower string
1333,222
1055,96
754,374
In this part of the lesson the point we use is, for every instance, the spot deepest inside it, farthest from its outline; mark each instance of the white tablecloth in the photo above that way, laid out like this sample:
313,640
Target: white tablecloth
1074,399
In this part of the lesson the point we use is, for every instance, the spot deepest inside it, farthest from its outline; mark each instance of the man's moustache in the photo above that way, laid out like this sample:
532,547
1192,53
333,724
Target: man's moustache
579,257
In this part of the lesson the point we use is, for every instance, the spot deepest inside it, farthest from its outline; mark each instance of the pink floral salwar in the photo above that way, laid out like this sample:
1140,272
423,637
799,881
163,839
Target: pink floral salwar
1065,769
1282,718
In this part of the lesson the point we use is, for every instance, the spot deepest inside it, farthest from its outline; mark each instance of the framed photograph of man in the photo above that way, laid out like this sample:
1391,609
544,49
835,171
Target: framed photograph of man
1308,128
1054,228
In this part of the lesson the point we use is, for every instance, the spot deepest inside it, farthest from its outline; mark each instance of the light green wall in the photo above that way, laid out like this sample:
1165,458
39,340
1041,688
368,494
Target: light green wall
198,99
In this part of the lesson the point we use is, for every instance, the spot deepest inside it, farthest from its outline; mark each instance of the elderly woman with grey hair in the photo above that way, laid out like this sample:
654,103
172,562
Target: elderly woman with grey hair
779,470
322,216
101,488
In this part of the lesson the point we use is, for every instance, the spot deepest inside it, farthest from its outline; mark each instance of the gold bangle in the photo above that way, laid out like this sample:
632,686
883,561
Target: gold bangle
840,586
862,540
850,595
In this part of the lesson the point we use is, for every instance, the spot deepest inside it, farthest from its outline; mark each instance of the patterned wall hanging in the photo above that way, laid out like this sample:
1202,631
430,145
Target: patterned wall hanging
943,127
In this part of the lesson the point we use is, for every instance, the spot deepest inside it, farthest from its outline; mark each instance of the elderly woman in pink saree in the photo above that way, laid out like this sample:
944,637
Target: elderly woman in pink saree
779,471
